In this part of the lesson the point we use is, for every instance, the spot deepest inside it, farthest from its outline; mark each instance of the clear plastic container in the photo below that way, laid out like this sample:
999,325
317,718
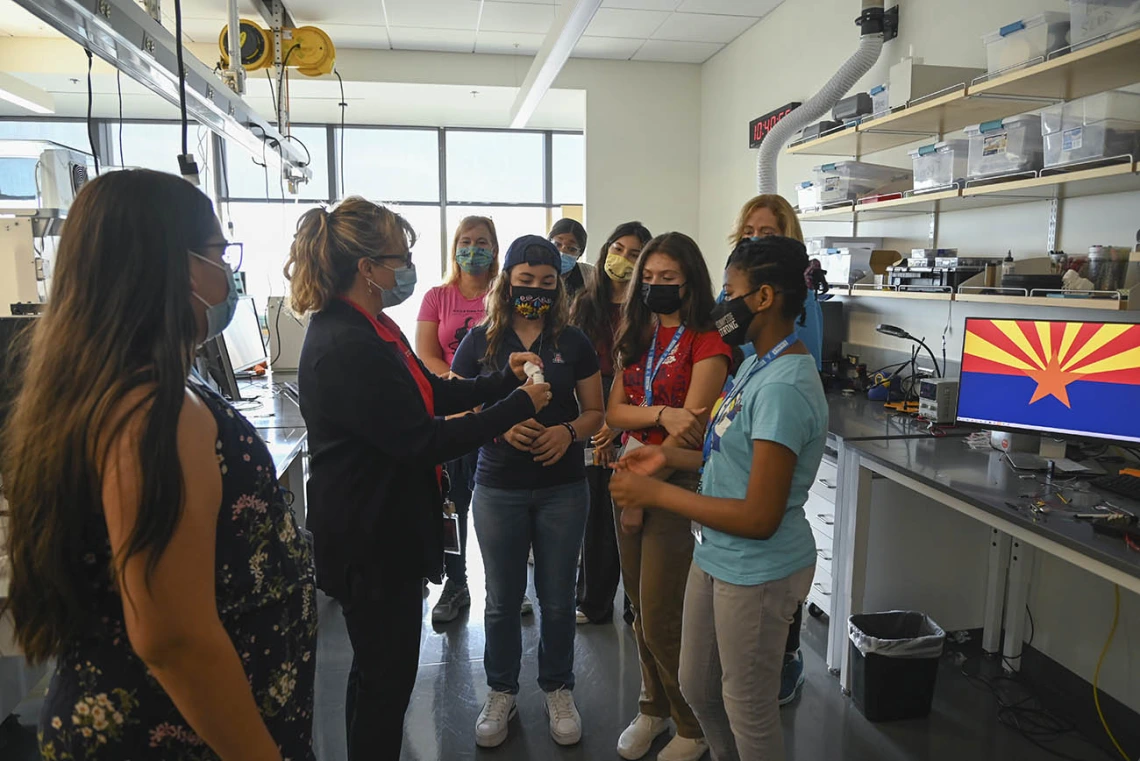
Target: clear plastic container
1005,146
1026,41
940,164
880,100
1099,18
807,196
1100,126
850,180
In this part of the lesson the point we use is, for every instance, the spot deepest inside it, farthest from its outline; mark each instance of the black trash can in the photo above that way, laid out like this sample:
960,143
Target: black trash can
894,663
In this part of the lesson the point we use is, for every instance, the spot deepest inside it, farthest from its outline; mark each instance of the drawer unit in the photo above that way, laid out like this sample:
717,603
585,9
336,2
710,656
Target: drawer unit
823,551
820,515
826,482
820,592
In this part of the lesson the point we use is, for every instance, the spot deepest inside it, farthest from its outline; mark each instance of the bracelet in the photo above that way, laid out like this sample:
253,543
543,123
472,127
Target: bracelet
573,433
660,412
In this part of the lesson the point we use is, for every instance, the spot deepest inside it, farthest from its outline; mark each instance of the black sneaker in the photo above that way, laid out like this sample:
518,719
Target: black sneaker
451,603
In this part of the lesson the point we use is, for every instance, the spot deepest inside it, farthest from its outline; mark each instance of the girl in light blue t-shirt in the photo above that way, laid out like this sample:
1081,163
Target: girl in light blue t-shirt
755,554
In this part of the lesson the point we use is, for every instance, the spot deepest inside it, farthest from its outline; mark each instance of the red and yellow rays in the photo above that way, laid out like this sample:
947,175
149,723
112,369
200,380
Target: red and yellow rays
1054,354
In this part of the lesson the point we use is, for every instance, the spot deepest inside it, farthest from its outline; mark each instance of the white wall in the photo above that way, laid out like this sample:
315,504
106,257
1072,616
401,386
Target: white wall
787,57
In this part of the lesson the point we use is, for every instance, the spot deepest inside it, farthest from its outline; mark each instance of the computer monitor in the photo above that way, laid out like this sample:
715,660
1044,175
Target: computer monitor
1062,378
243,340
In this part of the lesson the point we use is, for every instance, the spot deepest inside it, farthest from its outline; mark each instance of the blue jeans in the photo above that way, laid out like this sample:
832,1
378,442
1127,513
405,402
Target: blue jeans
508,523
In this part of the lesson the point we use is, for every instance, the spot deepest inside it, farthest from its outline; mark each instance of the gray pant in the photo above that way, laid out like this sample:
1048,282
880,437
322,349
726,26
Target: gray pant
732,651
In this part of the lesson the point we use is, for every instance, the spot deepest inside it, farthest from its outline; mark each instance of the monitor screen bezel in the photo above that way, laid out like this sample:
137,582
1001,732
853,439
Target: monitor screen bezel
1052,433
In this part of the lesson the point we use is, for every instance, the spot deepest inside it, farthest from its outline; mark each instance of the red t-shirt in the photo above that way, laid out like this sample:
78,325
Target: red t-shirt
671,384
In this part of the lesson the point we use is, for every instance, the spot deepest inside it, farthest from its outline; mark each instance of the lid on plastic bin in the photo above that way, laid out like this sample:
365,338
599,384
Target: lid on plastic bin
806,184
997,124
878,89
924,150
1049,17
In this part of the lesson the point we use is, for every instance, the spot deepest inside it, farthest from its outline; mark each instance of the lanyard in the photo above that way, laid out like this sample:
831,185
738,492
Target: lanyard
651,368
712,438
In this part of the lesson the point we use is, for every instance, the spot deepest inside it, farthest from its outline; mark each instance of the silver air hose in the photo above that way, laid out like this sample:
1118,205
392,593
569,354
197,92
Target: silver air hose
870,45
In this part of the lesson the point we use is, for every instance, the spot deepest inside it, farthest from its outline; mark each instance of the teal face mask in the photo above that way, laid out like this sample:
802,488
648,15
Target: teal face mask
474,260
220,315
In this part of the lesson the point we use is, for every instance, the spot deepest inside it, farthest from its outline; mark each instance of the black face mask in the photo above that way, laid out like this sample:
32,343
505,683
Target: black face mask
732,319
532,303
662,299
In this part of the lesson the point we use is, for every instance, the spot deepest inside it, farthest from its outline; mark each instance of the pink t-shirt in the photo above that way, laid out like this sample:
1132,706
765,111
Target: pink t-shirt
456,315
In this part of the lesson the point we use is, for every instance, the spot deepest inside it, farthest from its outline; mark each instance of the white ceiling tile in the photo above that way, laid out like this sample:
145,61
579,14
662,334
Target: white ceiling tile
516,17
702,27
436,14
606,47
677,52
318,12
642,5
508,43
612,22
755,8
361,36
441,40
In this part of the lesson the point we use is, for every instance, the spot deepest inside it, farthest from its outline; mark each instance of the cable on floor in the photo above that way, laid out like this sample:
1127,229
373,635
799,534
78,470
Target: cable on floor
1096,674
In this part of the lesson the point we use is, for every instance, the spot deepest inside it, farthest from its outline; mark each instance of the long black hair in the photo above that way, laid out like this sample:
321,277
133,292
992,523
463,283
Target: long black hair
591,308
782,263
118,327
635,333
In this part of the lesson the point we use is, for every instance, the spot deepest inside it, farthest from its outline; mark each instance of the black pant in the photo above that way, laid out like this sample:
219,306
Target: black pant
794,630
600,567
383,618
461,472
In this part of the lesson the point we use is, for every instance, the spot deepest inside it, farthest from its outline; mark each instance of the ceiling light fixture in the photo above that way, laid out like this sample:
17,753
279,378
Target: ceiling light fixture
569,25
19,93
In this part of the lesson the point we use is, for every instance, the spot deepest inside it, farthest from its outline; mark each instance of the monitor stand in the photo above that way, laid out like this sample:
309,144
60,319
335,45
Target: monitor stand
1050,449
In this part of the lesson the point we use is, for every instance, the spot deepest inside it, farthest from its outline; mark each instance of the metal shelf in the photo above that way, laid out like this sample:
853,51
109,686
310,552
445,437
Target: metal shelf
1104,66
1075,302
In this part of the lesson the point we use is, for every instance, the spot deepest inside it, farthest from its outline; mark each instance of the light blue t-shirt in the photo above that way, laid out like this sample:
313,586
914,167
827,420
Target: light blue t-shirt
783,403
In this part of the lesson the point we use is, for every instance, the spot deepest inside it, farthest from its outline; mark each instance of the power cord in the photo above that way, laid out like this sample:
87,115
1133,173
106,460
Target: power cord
343,106
186,165
1096,674
90,106
119,88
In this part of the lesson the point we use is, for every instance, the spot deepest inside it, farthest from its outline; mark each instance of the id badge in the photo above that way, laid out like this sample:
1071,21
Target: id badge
698,533
450,528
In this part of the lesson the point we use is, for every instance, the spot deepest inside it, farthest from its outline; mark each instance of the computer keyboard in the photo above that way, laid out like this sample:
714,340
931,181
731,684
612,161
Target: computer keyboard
1122,484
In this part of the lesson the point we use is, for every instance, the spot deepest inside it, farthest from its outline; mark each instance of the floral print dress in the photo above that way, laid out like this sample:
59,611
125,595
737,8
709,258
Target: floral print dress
104,704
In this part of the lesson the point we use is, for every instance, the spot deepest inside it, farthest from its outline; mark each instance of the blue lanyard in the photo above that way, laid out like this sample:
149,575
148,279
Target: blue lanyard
651,368
738,384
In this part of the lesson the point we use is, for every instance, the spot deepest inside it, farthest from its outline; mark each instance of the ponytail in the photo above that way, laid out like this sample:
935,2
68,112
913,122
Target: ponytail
328,244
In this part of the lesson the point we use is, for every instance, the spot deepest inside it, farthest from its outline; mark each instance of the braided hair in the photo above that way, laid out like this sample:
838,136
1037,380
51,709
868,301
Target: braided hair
783,264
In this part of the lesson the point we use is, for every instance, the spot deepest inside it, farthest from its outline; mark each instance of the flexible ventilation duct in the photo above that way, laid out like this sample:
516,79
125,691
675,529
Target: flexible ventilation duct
870,45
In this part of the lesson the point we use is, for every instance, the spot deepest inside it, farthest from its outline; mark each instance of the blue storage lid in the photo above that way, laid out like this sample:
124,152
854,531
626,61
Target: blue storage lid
990,126
806,184
827,168
926,150
878,89
1009,29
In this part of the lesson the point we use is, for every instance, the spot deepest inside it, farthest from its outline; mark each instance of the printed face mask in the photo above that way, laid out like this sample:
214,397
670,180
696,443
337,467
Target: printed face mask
732,318
474,260
532,303
618,267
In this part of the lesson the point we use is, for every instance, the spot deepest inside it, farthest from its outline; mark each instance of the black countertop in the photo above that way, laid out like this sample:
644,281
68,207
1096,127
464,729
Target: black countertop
985,480
856,418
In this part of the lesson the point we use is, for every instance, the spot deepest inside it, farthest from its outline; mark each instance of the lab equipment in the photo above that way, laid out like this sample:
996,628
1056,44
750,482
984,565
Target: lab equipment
1005,146
1122,483
853,107
1067,378
1107,267
938,399
534,372
911,80
1095,128
1026,41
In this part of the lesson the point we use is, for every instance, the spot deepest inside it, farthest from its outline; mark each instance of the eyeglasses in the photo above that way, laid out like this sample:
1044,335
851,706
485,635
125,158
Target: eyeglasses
405,257
567,249
233,254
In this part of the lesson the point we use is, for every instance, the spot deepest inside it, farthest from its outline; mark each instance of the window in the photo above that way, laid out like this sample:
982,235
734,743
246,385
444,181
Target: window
568,160
392,164
429,266
266,232
249,180
510,222
495,167
73,134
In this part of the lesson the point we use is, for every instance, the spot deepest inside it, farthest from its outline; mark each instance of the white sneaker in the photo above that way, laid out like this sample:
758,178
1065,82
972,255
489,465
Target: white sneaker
527,606
565,723
581,618
494,720
683,749
639,735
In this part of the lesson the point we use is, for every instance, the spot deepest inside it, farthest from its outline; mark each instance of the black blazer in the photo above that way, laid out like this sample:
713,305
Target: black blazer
374,503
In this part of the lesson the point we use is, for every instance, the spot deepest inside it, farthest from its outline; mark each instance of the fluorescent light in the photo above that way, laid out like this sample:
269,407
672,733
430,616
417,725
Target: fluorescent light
568,28
19,93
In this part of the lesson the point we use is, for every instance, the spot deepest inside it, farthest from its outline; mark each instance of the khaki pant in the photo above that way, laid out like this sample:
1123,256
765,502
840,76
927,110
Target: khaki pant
731,658
655,568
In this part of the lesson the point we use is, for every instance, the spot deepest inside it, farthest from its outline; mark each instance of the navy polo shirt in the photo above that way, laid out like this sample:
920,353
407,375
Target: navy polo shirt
565,361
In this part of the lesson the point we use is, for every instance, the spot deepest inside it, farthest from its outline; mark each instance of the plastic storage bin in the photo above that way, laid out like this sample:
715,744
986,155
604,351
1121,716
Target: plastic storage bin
1098,18
940,164
807,196
1023,42
880,100
894,663
1097,127
1005,146
850,180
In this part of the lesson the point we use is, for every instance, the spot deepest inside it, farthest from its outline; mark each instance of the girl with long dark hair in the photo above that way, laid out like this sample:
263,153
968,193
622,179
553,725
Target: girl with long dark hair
755,554
530,486
378,432
153,554
597,311
673,365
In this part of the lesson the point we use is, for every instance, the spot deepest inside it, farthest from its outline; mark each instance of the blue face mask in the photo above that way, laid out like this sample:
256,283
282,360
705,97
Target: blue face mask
474,260
402,291
568,263
219,316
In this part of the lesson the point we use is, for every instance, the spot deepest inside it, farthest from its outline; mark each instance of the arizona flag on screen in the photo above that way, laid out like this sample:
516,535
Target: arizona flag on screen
1076,377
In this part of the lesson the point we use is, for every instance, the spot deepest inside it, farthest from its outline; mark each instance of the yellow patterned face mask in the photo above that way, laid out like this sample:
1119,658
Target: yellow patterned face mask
618,268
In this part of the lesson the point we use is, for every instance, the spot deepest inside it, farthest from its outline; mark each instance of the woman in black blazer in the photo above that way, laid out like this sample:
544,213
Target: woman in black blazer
377,436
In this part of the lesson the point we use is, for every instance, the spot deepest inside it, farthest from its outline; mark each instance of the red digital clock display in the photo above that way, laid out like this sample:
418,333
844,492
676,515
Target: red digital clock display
759,128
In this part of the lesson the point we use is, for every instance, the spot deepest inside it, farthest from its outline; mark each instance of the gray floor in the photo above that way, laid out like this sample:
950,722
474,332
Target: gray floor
821,726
